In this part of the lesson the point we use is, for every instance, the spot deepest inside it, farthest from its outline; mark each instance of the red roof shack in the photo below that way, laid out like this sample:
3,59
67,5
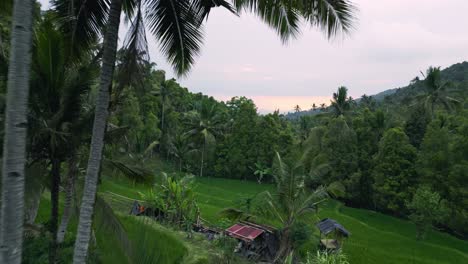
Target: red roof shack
244,232
257,242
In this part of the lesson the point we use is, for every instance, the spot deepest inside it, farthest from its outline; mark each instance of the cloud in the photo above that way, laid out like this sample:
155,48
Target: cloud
247,69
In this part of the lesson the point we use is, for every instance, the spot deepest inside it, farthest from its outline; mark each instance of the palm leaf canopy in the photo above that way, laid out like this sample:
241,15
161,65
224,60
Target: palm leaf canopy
58,88
178,29
81,22
331,16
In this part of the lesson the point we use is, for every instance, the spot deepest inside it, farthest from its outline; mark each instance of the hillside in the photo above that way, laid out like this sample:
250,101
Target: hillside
457,74
376,238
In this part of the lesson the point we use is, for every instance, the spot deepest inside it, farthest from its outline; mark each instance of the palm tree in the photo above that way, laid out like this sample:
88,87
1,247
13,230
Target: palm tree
178,27
97,140
436,91
297,108
73,171
314,107
164,91
341,103
293,200
14,144
205,124
291,203
180,148
56,107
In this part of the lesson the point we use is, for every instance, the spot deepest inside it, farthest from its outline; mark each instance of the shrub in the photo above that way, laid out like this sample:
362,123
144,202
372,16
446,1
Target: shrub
324,257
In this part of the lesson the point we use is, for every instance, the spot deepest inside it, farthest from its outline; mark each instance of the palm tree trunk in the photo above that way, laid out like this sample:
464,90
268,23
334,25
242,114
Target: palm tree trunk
33,207
162,116
54,198
69,193
202,156
14,144
97,141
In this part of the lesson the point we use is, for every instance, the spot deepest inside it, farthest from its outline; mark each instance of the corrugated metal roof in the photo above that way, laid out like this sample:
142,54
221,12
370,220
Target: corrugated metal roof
328,225
244,232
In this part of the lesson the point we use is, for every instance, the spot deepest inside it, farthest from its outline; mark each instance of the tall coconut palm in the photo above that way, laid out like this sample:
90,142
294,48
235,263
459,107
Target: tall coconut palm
436,91
180,147
341,103
291,203
205,124
14,145
56,107
297,109
178,27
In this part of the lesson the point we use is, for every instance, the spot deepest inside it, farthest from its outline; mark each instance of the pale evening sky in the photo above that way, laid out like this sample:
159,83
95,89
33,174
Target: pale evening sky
392,42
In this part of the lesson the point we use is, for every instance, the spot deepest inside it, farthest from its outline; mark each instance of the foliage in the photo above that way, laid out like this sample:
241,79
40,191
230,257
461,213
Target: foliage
227,245
176,199
341,103
394,173
427,209
324,257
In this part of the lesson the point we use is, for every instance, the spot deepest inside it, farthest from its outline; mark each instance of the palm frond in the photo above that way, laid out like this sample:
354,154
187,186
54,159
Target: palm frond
106,219
283,16
177,26
279,168
336,189
134,172
134,55
203,7
151,146
81,22
115,134
233,214
332,16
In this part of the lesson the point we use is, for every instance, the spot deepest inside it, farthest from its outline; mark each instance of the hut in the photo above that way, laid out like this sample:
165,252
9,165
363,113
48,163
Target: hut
256,242
332,234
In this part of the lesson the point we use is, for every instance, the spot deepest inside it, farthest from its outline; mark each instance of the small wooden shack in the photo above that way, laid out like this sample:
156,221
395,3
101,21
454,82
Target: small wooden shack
332,234
256,242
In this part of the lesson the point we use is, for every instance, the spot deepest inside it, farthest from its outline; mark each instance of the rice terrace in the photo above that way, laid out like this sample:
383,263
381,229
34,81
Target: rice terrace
234,132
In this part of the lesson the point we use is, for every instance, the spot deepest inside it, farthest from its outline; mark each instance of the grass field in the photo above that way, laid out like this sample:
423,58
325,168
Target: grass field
376,238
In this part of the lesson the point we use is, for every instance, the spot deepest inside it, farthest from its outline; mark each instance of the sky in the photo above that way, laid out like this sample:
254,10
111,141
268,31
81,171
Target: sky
392,42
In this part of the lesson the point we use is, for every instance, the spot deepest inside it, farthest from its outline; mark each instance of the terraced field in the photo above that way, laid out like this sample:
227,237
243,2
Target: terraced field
376,238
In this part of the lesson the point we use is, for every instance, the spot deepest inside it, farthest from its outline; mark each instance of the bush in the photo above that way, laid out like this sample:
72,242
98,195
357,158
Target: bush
324,257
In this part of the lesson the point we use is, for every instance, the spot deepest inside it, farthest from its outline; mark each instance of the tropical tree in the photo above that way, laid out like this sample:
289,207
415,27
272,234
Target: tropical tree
427,208
56,107
293,200
204,124
178,27
180,147
14,142
297,109
164,92
436,91
261,171
394,173
291,203
175,198
341,103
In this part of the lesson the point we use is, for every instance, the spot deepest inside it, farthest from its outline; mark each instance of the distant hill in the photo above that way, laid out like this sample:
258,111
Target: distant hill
457,74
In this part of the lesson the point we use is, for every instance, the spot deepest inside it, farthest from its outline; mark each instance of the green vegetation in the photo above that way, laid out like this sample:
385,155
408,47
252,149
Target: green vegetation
375,237
404,155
